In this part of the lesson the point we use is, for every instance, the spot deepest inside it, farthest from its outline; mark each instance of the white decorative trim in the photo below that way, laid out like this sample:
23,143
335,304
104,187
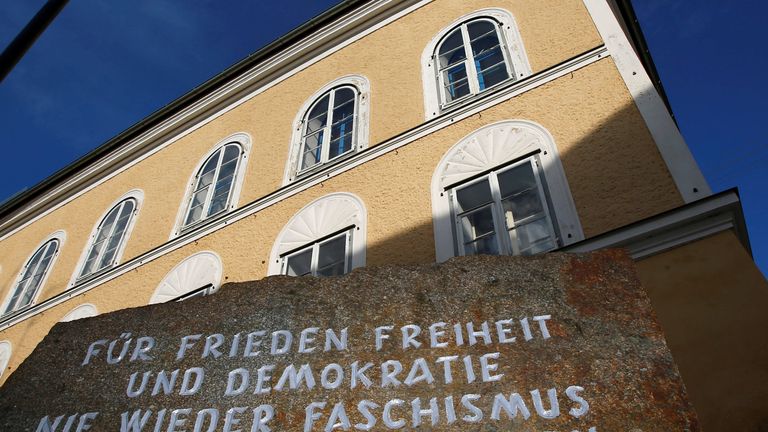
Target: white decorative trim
241,138
515,54
492,146
193,272
6,350
61,237
138,196
361,125
673,229
221,221
682,166
85,310
322,217
335,36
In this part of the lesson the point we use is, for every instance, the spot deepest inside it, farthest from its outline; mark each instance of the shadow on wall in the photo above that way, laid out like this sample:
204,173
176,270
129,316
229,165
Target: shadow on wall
615,174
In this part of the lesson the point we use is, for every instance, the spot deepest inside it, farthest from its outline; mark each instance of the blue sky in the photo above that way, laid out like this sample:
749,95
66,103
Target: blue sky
103,65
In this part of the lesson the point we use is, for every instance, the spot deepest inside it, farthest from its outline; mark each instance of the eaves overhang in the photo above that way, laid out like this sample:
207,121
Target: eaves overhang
674,228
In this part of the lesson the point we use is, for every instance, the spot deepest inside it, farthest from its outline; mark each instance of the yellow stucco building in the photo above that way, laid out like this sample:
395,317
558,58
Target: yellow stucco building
403,131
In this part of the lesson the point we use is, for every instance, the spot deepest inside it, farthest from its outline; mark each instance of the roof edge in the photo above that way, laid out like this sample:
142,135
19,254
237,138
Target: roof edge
639,44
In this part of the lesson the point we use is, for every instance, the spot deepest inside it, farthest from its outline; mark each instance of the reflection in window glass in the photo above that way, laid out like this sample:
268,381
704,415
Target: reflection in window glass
32,277
512,200
214,184
329,257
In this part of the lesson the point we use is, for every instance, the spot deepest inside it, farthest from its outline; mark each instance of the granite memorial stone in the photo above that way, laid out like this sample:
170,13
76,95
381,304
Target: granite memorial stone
551,343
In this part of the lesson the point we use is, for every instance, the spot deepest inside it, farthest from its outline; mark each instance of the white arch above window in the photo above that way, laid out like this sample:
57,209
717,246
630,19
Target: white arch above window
194,272
183,222
33,275
360,128
513,49
136,197
5,355
85,310
491,147
323,217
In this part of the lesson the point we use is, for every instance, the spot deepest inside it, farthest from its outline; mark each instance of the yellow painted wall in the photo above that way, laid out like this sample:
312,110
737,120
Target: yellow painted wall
710,297
591,127
552,31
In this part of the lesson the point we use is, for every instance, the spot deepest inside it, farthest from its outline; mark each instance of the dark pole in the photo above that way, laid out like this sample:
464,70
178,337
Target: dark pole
19,46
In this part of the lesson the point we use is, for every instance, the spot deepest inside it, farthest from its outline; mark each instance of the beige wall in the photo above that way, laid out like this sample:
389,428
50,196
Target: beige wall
711,299
552,31
591,127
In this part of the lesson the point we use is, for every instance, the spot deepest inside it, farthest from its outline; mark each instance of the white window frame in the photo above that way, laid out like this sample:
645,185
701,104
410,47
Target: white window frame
504,244
496,146
137,196
513,50
58,236
361,120
348,235
244,141
319,221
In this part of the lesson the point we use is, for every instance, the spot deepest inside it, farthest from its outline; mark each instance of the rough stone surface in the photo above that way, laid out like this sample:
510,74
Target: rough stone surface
598,351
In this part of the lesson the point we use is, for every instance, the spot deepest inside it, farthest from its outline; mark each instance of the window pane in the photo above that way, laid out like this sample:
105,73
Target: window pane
109,253
299,264
478,232
196,206
312,150
206,174
482,36
106,226
517,180
93,257
473,196
318,117
452,49
486,49
520,207
491,68
220,195
227,170
341,140
231,152
343,103
534,237
455,82
332,257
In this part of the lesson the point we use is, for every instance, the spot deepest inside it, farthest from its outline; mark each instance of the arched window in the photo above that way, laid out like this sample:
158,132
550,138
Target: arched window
109,238
333,124
325,238
475,53
502,190
215,187
33,275
329,128
471,59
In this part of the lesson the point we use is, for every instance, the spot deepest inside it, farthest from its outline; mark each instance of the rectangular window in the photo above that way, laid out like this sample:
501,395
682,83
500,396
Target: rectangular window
327,257
505,211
